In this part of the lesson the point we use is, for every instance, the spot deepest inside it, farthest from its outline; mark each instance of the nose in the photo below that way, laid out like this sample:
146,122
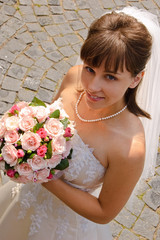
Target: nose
94,84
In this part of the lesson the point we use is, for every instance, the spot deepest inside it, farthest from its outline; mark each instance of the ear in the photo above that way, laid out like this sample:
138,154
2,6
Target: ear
136,80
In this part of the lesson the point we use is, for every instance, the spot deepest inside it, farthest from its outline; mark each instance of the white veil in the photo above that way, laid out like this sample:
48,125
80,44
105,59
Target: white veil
148,96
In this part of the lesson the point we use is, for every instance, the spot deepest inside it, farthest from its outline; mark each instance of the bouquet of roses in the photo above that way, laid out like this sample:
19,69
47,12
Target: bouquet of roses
35,141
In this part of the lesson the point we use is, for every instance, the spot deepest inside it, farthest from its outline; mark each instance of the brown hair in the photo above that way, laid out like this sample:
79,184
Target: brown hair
119,40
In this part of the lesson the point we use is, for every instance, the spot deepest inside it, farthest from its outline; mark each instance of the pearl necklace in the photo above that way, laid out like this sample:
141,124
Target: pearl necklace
98,119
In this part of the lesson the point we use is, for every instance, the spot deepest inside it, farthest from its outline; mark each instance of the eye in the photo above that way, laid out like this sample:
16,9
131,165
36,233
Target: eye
110,77
89,69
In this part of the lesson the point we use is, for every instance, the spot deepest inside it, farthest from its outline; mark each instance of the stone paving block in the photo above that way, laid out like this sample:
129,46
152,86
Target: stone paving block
108,4
34,27
69,5
45,95
135,206
34,52
41,10
62,67
58,19
148,4
7,96
15,23
4,65
120,3
60,41
72,38
48,46
127,235
97,12
15,45
115,227
67,51
77,48
45,20
54,2
8,10
3,18
155,184
25,2
56,10
11,84
77,25
26,10
31,83
65,29
71,15
152,199
7,55
158,234
83,33
158,160
7,31
17,71
40,2
82,4
35,72
41,36
158,170
24,61
141,188
144,229
44,63
54,75
55,56
157,2
126,218
25,37
25,95
151,217
88,21
48,84
29,18
4,107
84,13
52,30
72,60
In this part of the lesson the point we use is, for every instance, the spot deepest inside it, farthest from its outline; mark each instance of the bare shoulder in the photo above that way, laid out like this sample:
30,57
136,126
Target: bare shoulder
130,142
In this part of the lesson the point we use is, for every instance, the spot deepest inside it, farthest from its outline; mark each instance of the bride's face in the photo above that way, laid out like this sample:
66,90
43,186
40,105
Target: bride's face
106,89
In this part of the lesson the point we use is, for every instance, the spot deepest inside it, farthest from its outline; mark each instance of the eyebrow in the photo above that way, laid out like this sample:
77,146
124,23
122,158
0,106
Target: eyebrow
112,72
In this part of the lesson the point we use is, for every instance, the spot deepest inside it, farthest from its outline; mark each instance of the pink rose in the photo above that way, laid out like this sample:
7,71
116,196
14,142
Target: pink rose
42,175
53,127
54,161
41,151
42,133
11,136
37,163
26,112
9,153
2,129
22,104
11,173
20,153
30,141
68,132
41,113
58,105
27,123
58,145
12,123
68,148
14,109
24,169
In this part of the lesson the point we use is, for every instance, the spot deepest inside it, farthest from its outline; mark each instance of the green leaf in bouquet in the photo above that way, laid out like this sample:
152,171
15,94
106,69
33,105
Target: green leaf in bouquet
16,175
49,150
65,122
70,154
7,166
37,102
32,155
55,114
63,164
37,127
52,171
20,160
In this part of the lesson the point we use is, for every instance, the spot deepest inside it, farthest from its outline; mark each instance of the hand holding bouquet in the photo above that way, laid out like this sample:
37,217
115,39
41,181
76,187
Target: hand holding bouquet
34,141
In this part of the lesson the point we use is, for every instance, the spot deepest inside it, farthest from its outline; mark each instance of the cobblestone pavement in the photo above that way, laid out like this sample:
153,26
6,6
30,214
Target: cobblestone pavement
39,41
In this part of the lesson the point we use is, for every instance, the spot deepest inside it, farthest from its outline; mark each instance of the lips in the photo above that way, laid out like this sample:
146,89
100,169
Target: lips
94,98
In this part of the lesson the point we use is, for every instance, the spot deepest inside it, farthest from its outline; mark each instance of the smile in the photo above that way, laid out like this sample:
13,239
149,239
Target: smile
93,98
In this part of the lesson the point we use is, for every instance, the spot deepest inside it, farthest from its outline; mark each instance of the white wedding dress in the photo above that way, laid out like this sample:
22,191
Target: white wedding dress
30,212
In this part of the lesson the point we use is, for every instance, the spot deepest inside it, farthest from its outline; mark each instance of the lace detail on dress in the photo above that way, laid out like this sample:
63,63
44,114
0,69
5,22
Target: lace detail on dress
16,189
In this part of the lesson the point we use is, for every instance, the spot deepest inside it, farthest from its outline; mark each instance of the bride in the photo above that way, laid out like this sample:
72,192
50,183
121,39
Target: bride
106,98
